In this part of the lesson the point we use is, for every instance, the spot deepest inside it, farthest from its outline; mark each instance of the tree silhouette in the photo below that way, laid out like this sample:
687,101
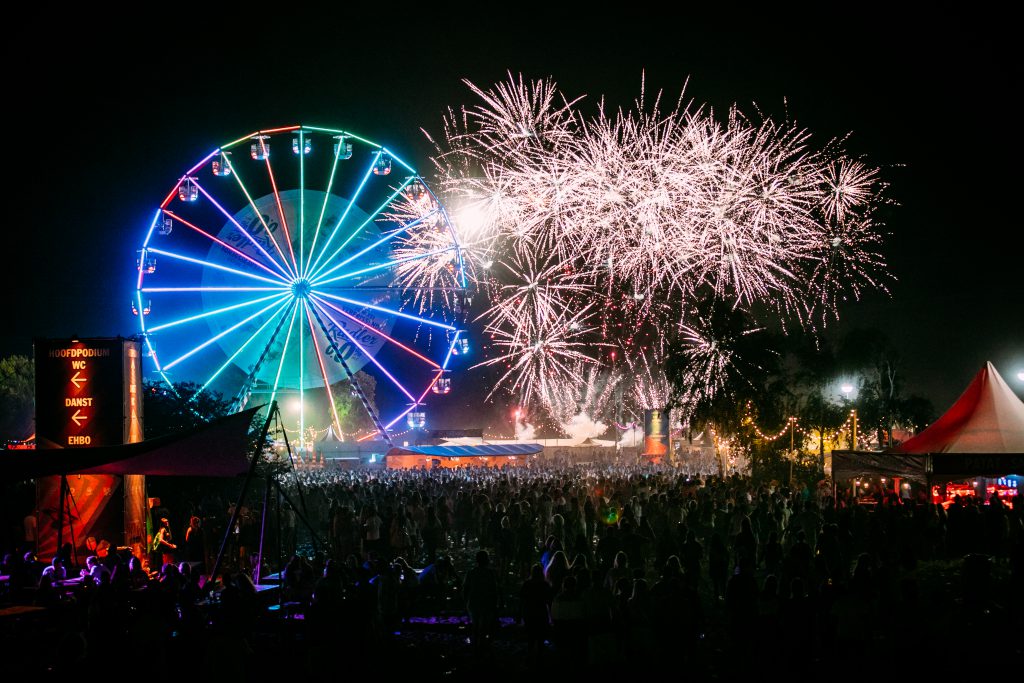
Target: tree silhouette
17,397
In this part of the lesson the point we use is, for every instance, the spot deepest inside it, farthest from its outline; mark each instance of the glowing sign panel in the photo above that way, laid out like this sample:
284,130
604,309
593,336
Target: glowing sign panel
88,392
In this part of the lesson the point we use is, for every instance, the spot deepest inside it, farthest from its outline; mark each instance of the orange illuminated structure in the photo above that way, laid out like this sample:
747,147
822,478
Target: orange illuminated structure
453,457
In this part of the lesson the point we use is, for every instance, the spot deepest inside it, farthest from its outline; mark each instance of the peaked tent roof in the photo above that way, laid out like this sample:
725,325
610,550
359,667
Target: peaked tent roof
217,449
987,418
331,436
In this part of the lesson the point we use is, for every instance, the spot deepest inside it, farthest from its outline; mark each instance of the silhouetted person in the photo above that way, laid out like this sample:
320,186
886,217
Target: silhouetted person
481,594
718,566
535,606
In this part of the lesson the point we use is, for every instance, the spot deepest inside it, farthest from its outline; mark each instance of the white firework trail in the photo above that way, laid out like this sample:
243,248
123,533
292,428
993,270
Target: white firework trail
648,386
594,396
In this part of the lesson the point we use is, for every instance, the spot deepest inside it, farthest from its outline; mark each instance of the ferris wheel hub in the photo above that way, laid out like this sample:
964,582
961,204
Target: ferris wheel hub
301,288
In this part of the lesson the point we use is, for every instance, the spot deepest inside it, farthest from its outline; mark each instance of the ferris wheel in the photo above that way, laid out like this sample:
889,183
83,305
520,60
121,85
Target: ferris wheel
290,259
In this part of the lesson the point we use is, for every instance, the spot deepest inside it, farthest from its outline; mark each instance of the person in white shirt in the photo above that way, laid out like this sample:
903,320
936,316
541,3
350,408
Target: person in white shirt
95,570
55,572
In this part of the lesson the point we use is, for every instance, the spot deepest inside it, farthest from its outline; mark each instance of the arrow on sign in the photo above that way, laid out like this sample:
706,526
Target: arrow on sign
79,418
78,381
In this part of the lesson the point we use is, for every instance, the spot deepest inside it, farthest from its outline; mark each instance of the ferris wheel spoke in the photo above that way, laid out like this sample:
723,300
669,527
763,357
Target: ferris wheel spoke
451,349
248,235
344,215
323,371
244,345
284,352
224,244
280,213
383,309
302,201
386,238
353,379
380,266
208,264
212,289
373,329
223,334
302,389
372,217
323,208
242,396
362,349
209,314
437,376
389,425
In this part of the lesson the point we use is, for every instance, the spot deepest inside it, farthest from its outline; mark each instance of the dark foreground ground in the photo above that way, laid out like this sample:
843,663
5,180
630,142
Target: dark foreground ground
946,622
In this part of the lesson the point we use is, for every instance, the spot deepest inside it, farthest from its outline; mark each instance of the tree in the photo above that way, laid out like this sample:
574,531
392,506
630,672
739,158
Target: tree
352,416
815,407
167,411
716,365
916,412
17,397
881,403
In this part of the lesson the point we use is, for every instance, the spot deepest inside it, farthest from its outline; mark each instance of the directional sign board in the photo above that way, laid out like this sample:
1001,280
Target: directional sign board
88,392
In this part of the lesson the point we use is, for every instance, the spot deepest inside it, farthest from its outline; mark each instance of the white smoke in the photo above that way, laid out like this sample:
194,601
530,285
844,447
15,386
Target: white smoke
525,431
634,436
581,427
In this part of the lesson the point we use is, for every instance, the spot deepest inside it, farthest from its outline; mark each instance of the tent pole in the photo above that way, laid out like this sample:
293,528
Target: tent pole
245,488
302,517
263,530
280,560
928,477
291,461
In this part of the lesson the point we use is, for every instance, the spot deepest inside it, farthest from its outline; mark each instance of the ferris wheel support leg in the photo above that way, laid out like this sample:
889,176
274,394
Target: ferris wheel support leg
352,379
243,394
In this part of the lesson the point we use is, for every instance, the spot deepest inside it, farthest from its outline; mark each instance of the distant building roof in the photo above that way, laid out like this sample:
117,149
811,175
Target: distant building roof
469,451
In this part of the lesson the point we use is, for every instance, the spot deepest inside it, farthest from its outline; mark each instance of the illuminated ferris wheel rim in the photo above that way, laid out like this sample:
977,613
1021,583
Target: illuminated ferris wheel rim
309,285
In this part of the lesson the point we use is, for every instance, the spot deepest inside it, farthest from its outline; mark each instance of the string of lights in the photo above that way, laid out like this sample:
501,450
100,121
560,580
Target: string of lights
313,434
792,422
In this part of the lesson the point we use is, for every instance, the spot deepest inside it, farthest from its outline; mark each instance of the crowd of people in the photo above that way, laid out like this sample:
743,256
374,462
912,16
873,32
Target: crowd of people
580,565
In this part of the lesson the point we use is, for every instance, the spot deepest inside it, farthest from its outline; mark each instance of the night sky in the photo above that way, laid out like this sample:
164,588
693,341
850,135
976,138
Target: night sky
99,138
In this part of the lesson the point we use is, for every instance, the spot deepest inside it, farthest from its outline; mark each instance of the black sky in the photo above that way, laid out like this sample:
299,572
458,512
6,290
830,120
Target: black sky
103,126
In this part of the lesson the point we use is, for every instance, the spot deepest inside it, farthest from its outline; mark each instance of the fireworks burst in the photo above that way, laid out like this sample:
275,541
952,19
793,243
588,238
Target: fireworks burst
712,356
540,352
648,387
427,262
647,208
